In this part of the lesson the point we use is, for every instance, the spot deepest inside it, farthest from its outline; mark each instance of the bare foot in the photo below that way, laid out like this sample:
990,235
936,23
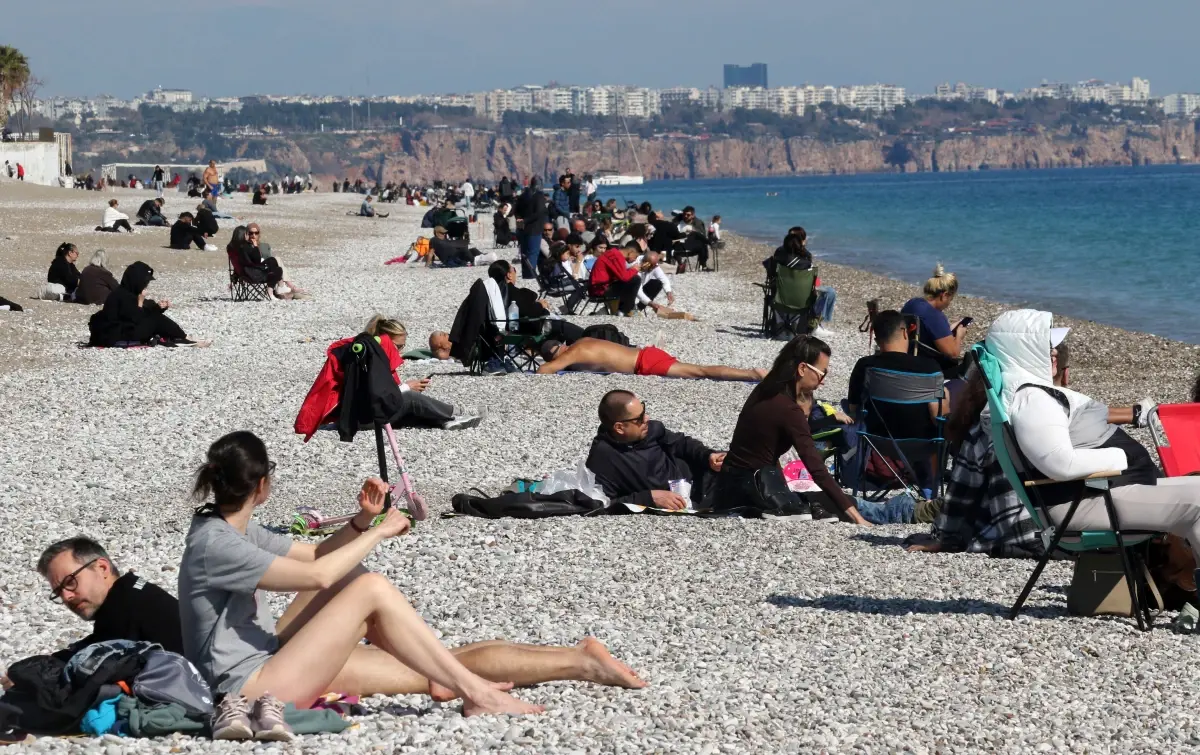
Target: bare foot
445,694
502,703
607,670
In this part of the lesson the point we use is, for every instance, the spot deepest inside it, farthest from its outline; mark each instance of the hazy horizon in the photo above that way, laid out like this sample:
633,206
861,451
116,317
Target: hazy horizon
372,47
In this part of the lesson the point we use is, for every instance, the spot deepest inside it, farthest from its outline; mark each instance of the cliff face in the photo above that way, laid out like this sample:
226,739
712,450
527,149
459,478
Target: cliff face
453,155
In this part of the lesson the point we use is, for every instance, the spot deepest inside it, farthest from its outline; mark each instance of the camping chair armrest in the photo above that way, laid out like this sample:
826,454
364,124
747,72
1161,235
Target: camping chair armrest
1108,474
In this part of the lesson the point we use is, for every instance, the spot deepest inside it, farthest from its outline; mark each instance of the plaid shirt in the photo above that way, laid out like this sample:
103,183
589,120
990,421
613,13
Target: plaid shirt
982,513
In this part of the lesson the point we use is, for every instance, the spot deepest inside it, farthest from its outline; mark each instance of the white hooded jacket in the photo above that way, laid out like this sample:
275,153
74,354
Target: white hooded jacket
1062,442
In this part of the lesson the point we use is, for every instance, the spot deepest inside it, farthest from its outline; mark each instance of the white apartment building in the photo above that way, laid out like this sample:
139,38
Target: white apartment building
160,96
877,97
966,92
1181,105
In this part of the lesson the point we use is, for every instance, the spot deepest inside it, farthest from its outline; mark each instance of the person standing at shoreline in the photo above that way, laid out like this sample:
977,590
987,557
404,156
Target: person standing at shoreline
211,178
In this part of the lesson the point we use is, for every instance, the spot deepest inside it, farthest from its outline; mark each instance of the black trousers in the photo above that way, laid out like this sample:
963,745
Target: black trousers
194,237
419,410
626,293
120,225
652,289
158,326
693,245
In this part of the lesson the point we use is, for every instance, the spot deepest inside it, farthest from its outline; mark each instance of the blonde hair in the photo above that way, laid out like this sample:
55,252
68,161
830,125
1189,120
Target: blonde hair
99,259
942,282
383,326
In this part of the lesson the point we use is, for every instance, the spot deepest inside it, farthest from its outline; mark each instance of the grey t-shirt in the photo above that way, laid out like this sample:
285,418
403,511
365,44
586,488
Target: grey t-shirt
228,629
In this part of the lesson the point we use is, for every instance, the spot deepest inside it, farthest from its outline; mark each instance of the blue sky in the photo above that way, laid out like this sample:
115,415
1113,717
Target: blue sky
237,47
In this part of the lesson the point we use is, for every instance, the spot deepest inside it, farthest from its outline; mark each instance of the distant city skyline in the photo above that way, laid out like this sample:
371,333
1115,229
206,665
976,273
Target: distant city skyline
243,47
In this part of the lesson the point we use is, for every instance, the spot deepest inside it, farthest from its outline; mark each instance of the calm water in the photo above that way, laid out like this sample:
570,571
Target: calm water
1115,245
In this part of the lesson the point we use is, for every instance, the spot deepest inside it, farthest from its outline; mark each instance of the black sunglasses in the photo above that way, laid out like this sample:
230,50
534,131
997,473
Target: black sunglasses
70,582
638,419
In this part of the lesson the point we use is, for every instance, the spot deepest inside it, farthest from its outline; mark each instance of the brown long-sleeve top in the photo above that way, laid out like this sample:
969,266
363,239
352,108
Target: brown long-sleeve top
765,430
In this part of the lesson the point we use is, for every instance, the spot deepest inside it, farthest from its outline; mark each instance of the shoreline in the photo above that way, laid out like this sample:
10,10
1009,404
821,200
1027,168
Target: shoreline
1112,364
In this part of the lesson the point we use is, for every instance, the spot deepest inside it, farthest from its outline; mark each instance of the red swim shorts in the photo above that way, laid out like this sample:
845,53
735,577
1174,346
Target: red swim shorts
653,361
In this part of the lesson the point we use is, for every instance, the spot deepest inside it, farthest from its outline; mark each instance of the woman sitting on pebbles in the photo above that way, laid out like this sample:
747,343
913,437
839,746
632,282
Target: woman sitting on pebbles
774,419
96,281
315,647
129,318
62,279
114,220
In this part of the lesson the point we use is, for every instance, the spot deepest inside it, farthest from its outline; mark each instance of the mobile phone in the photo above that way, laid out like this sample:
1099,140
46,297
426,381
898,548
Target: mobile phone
429,376
966,321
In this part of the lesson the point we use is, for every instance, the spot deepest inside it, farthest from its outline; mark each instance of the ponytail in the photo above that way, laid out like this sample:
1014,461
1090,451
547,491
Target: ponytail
64,249
233,467
385,326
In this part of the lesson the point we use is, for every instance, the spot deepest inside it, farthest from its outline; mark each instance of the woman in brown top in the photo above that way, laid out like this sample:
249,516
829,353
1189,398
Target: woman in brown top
775,418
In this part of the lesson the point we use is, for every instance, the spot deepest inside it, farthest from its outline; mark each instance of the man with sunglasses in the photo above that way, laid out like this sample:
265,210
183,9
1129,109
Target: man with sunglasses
638,461
83,577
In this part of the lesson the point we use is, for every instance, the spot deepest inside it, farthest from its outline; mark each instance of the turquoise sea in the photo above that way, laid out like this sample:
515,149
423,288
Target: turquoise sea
1116,245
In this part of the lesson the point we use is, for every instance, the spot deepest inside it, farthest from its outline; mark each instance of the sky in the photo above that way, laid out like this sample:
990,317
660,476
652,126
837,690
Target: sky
380,47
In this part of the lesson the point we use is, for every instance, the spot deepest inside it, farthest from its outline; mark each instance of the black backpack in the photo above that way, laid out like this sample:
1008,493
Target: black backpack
606,332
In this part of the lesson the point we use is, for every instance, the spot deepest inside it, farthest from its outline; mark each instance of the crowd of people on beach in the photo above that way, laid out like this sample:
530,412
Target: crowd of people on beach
912,442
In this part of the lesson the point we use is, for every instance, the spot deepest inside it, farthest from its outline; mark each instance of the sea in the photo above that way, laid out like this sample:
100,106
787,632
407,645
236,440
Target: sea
1115,245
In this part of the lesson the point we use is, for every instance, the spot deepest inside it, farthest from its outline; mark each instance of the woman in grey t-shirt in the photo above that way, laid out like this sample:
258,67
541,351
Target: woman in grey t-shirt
230,561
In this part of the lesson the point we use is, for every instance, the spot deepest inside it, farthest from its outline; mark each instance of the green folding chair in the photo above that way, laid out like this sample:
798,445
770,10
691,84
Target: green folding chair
789,299
1026,481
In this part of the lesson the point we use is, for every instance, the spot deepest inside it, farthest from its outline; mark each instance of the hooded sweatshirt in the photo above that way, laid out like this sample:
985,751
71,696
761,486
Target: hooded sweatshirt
121,316
630,472
1058,430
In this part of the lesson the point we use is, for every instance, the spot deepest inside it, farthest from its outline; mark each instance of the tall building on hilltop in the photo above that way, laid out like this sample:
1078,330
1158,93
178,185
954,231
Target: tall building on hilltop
751,76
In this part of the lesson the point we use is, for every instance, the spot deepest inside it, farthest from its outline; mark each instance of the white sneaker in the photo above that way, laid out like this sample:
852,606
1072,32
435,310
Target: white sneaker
462,421
821,332
209,248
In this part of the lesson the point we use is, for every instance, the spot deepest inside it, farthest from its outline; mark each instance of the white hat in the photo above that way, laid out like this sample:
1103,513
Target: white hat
1057,336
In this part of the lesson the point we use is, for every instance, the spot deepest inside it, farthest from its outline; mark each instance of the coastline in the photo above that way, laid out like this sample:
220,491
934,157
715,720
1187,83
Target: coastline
1111,364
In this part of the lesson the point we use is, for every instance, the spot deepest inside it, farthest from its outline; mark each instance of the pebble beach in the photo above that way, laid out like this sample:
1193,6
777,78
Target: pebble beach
755,636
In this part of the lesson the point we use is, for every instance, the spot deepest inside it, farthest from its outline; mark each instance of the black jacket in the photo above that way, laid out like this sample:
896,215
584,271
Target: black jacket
369,390
629,472
148,210
120,318
136,610
182,235
64,273
665,235
206,222
533,209
471,322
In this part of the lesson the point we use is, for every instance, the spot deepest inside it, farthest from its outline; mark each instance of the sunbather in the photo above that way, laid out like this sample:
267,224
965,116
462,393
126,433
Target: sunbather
639,461
595,355
315,646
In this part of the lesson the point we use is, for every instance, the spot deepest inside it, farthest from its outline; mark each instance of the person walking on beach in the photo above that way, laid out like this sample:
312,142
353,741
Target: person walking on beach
533,213
20,172
158,180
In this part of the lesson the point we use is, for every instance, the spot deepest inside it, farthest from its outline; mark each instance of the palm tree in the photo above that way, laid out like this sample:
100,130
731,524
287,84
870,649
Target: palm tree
14,71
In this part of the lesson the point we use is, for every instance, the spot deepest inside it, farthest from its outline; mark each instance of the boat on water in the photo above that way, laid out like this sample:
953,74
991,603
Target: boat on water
612,178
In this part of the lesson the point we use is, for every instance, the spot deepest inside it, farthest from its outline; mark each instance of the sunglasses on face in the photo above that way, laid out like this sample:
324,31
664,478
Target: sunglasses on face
638,419
820,373
70,582
252,233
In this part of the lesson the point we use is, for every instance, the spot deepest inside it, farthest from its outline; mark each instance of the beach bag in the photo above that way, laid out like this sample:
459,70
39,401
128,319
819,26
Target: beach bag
772,490
606,332
170,678
1098,587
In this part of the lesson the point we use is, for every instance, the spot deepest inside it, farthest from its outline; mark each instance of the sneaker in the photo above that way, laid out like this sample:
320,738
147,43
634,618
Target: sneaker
822,333
231,719
267,720
209,248
462,421
1185,622
822,514
192,344
801,511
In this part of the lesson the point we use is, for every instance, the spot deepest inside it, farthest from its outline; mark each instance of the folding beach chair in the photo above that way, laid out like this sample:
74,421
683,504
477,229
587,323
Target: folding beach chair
907,462
241,289
500,350
788,301
1176,431
1026,481
571,291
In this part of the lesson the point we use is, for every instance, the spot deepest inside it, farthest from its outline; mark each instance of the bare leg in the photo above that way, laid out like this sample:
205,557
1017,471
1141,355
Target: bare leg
714,372
316,653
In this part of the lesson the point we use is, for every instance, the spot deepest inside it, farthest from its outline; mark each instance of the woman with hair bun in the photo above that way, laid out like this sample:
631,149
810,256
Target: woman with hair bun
315,647
936,332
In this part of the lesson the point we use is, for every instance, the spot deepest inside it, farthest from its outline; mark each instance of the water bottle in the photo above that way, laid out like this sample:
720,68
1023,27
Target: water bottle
513,316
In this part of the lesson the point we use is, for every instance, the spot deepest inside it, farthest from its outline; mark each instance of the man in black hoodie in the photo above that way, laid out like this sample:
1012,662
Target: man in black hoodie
128,317
184,233
638,461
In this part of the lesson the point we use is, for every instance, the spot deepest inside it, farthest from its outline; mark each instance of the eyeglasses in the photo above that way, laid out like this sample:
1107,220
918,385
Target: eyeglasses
270,469
70,582
636,420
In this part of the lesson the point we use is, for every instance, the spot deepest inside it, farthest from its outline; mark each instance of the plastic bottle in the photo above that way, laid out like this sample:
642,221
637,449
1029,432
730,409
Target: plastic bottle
513,316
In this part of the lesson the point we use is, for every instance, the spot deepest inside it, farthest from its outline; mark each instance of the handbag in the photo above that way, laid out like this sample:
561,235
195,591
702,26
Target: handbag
771,489
1098,586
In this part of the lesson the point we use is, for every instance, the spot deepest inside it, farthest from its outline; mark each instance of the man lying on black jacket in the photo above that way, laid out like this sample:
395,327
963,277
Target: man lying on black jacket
636,460
83,577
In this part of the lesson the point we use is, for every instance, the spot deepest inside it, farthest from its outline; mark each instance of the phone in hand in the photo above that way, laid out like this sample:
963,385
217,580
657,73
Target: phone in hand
965,322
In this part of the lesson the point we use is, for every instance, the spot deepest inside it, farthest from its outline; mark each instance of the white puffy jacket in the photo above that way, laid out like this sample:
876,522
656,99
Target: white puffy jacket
1062,442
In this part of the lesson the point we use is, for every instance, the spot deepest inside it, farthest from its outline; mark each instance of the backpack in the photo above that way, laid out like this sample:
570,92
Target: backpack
421,246
606,332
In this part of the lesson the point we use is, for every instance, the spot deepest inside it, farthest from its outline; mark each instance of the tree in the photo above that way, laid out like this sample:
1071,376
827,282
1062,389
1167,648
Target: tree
25,96
14,72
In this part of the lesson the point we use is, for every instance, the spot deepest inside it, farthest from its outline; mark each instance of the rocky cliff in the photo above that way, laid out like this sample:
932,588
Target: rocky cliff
455,154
